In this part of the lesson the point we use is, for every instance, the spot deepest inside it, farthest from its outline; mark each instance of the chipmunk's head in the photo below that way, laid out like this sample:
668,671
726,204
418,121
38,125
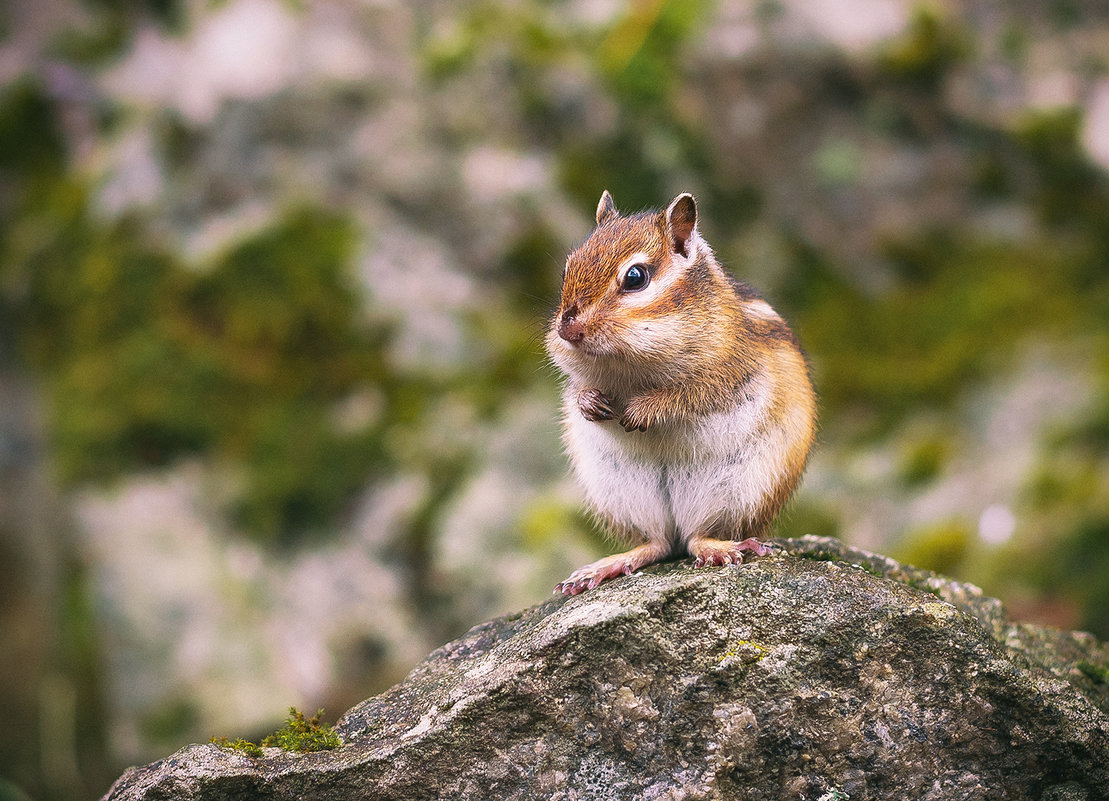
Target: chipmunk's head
629,291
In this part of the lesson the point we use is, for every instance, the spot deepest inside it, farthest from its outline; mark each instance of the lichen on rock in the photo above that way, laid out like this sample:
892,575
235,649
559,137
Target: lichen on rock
821,672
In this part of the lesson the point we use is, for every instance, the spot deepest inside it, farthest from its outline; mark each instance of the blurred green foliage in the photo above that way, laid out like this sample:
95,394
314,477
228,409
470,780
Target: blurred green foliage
172,721
251,359
808,516
1083,566
640,54
32,150
941,546
256,358
922,56
271,363
924,458
146,360
953,316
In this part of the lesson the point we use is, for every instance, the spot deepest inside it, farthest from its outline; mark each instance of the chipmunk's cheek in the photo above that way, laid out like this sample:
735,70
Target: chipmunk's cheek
653,335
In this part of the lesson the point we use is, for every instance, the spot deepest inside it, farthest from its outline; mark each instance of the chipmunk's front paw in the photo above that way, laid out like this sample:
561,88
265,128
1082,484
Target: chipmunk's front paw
595,405
637,416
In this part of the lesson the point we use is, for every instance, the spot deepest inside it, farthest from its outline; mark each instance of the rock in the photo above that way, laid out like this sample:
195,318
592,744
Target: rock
823,672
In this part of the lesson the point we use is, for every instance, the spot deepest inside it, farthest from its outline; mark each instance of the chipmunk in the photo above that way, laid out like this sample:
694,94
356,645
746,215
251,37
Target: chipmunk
689,412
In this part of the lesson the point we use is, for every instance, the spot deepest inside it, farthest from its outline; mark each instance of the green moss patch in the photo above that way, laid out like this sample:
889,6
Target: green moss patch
1099,674
300,734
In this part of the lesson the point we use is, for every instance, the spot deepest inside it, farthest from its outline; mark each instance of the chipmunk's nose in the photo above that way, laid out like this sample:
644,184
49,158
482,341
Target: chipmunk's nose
569,328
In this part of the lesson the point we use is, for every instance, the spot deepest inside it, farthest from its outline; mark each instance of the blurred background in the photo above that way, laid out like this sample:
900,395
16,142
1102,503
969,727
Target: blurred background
275,418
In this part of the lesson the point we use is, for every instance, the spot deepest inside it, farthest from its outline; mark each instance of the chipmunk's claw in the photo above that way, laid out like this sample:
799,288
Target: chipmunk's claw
637,416
595,406
589,577
621,564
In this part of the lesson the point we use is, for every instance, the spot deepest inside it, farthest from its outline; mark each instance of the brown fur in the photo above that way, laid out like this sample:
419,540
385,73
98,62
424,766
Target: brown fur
690,378
693,377
698,344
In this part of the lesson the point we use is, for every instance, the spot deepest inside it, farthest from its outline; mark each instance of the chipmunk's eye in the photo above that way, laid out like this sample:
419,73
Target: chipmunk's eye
635,278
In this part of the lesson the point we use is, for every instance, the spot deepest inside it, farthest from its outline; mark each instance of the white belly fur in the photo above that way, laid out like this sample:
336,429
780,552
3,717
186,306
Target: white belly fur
675,479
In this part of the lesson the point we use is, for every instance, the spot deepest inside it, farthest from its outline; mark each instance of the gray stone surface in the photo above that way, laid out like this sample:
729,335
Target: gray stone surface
823,672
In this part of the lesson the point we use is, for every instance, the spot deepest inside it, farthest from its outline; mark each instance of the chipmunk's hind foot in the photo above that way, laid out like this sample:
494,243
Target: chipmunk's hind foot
706,551
621,564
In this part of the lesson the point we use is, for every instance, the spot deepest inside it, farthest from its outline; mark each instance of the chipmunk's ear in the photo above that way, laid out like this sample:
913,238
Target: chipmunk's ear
606,209
681,223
